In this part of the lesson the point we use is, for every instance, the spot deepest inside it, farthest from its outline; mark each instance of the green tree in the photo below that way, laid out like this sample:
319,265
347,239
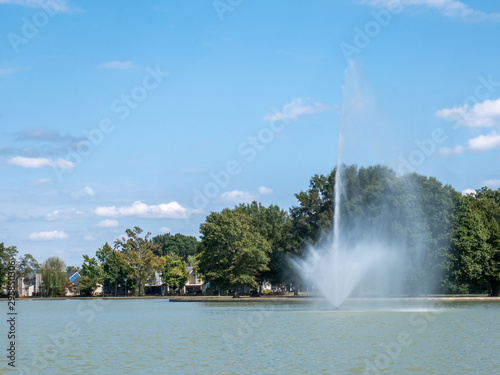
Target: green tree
7,254
91,275
137,253
174,272
232,253
178,244
114,268
191,260
413,212
53,276
476,241
72,269
274,224
27,266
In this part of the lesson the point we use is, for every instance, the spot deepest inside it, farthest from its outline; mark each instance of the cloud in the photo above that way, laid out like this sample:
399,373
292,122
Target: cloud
457,150
85,192
42,181
492,182
468,191
58,6
172,210
63,214
236,196
89,238
484,142
265,191
48,236
485,114
294,110
481,115
40,134
26,162
449,8
164,230
108,223
118,65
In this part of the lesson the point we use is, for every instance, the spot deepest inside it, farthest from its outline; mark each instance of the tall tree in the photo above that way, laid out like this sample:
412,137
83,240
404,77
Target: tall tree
6,255
413,212
53,276
91,275
27,266
232,253
137,253
174,272
114,268
274,224
476,240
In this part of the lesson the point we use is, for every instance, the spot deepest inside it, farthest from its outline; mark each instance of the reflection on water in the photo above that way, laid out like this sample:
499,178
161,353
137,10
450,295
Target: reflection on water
160,337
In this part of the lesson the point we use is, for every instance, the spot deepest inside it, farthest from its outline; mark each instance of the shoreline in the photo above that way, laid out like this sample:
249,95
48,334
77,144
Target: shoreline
305,299
291,298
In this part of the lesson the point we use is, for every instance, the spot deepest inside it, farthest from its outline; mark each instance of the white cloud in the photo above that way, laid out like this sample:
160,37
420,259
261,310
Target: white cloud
63,214
481,115
449,8
468,191
265,191
89,238
43,181
172,210
457,150
164,230
85,192
47,236
484,114
26,162
108,223
294,110
57,6
118,65
236,196
54,215
492,182
484,142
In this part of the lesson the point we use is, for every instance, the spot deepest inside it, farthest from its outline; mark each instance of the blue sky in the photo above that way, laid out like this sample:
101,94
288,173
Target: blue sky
119,114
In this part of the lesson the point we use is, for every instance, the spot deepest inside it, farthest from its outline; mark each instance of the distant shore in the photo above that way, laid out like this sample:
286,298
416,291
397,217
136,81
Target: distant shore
309,298
285,298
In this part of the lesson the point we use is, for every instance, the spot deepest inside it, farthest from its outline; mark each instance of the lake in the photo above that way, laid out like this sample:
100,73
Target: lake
155,336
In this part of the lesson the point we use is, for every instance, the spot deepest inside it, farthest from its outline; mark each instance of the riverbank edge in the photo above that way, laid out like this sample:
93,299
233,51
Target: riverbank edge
300,298
314,298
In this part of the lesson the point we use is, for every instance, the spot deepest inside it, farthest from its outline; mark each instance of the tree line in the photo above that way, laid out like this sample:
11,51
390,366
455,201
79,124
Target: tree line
128,265
449,242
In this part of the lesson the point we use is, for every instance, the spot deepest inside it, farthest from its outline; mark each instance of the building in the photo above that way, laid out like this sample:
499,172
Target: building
74,287
194,284
30,285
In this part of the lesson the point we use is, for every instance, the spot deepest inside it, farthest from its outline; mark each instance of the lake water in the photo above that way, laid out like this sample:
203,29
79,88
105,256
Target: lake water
155,336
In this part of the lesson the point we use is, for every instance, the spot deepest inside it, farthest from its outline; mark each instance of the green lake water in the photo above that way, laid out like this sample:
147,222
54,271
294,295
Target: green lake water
159,337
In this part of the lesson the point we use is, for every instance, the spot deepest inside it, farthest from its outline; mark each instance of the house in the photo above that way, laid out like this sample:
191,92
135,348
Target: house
74,287
156,287
30,285
194,285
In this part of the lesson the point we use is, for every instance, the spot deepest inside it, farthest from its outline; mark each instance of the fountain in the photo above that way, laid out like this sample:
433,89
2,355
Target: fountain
345,255
334,266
